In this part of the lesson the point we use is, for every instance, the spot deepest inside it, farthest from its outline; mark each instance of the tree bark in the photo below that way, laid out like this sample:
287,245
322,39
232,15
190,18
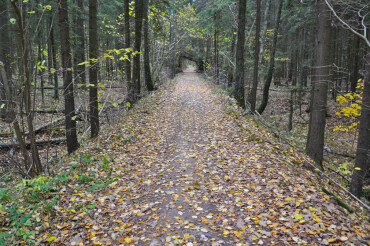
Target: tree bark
264,29
4,45
172,41
316,132
362,162
80,49
54,59
69,103
239,70
13,118
253,93
127,65
270,72
93,70
138,30
354,73
36,163
147,71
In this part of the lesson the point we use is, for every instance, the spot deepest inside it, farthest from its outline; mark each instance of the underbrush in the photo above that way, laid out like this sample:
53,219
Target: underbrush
28,207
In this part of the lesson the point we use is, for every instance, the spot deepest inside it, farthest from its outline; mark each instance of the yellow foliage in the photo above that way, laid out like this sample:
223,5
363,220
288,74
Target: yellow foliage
353,110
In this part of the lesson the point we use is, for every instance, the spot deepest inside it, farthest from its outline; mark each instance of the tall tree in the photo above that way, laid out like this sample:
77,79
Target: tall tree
239,70
93,71
172,40
69,101
137,46
12,117
54,49
316,132
253,92
26,88
4,52
5,44
127,66
147,71
80,49
270,72
264,28
362,163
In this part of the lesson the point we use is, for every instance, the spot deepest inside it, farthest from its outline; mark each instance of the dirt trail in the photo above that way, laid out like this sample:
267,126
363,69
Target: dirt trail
188,202
192,176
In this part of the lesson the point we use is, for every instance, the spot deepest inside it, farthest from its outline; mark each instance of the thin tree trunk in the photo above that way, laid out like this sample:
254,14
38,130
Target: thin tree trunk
5,44
270,72
54,59
137,46
127,66
80,49
356,51
69,100
264,29
239,70
316,132
93,71
253,93
13,118
4,52
36,163
362,163
147,72
172,41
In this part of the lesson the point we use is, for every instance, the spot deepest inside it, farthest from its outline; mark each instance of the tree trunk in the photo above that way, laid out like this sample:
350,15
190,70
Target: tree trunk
13,118
362,163
36,163
4,52
80,49
93,71
138,29
147,71
5,44
172,42
127,66
356,51
239,70
270,72
253,93
54,59
69,100
316,132
264,29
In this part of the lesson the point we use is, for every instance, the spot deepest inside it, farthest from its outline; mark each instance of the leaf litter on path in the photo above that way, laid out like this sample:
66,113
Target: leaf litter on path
195,174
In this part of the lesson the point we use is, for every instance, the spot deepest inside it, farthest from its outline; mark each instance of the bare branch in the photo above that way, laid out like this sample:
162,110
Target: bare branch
347,26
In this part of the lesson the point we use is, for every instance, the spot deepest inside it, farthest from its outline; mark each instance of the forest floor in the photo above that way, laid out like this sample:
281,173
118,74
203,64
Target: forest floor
185,168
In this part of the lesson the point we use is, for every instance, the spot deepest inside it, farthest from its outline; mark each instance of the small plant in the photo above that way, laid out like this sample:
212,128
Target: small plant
4,195
85,179
38,188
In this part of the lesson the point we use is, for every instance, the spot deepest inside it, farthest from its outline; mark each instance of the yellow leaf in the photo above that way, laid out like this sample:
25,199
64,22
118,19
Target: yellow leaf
288,199
298,216
226,232
97,243
357,168
127,240
72,199
51,239
330,240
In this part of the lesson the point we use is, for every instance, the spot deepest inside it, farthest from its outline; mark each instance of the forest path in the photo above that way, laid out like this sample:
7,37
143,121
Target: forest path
193,174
